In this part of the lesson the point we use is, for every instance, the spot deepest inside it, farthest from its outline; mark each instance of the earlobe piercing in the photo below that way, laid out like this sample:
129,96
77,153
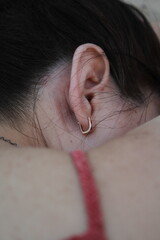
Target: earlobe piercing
89,127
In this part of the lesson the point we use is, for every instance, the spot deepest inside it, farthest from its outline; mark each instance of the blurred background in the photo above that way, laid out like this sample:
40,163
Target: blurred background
150,7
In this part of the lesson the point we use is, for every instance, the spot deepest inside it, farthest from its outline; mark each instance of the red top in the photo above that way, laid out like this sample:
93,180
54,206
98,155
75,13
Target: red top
91,199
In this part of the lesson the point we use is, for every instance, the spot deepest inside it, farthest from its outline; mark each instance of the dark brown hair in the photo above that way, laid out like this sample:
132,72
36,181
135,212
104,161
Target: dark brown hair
35,35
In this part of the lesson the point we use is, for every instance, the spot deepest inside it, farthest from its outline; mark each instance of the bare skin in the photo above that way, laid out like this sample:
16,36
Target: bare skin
40,196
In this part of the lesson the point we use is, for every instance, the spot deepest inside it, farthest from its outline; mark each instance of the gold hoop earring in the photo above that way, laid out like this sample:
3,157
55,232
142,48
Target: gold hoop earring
89,127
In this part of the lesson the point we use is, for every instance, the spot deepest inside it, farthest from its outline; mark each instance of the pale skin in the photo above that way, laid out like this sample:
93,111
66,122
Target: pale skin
40,194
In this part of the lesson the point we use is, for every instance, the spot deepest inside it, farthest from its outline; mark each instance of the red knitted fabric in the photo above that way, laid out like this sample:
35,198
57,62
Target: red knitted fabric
91,199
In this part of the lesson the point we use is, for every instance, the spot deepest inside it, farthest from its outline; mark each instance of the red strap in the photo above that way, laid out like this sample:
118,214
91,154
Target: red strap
91,198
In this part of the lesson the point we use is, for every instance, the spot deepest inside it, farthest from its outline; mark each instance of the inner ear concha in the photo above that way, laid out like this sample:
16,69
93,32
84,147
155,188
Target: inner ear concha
89,97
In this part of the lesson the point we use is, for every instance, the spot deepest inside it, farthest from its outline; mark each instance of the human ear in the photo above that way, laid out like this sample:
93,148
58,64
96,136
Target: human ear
89,74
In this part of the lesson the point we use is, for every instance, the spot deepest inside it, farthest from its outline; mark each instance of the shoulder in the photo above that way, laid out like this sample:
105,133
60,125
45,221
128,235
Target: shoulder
39,191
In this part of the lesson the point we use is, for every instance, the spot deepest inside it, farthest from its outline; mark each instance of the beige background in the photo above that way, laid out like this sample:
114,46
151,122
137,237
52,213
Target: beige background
154,3
150,7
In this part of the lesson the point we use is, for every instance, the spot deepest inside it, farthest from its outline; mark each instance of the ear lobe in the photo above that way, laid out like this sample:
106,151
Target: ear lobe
90,74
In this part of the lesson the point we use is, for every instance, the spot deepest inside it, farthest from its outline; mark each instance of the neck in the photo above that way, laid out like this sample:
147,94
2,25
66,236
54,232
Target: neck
22,137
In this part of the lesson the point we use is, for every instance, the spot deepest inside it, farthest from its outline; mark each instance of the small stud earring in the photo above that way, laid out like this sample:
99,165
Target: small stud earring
89,127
